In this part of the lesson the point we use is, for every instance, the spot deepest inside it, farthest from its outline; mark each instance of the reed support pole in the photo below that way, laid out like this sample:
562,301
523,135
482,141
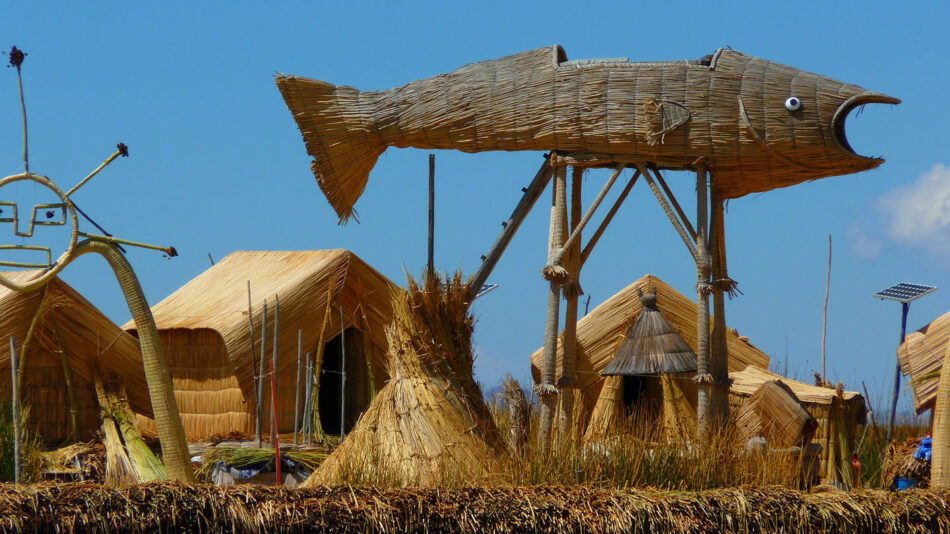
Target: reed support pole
531,195
721,283
297,386
703,377
431,264
567,383
589,247
546,390
259,426
342,373
664,203
274,369
15,410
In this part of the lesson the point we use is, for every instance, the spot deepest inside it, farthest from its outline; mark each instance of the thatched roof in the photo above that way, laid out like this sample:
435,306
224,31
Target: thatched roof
921,357
217,300
84,330
652,346
600,333
750,379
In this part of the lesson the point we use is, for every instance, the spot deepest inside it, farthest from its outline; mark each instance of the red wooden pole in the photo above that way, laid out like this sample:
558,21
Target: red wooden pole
273,388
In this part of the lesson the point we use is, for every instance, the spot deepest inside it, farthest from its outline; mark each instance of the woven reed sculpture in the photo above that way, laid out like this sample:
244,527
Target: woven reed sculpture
742,124
429,424
62,212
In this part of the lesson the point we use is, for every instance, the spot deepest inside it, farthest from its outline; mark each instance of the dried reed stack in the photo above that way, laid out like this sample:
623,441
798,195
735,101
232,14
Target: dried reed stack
775,413
429,423
519,412
128,459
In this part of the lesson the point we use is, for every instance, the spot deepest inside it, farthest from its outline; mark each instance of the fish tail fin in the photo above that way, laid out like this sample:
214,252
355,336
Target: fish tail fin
337,129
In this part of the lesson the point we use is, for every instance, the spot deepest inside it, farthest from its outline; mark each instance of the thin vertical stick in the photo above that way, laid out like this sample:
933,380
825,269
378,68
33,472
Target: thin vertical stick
703,376
297,385
14,387
342,370
260,378
824,316
250,322
273,386
274,363
307,425
431,213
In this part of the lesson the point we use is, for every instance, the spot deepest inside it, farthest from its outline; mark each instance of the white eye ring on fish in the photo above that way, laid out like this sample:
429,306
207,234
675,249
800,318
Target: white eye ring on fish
793,103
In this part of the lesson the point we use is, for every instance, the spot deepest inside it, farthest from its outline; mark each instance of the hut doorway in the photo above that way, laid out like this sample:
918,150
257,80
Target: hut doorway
634,394
350,391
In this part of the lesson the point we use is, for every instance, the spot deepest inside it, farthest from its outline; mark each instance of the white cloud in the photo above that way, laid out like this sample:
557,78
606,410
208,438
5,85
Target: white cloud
920,212
861,244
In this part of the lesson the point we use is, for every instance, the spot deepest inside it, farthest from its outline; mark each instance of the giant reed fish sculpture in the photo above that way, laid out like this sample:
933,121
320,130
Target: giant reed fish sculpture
759,125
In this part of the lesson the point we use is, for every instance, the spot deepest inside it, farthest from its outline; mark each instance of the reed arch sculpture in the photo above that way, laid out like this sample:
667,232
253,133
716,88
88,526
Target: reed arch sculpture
741,124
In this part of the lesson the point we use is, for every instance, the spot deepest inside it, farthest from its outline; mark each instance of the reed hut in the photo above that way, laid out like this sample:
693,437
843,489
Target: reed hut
63,342
602,332
921,358
775,413
337,302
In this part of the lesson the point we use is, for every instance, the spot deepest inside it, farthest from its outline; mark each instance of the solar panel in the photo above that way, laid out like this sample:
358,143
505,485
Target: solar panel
905,292
485,289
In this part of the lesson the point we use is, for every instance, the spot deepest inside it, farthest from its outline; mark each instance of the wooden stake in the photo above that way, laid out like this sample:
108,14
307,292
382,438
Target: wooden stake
15,390
307,416
297,385
250,322
260,378
342,372
274,364
273,386
703,377
431,264
824,315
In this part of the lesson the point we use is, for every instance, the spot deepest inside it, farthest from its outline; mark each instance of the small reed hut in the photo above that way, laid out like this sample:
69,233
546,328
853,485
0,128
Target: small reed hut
601,333
338,303
63,342
650,364
921,357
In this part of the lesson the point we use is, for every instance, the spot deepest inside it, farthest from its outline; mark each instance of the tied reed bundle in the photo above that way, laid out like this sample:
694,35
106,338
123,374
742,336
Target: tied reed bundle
429,424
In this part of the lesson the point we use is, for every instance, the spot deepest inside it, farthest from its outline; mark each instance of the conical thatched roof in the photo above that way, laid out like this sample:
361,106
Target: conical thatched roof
652,346
429,424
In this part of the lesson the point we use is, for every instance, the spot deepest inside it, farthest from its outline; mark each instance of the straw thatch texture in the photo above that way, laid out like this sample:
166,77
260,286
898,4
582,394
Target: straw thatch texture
727,108
204,324
600,333
64,316
245,509
429,424
775,413
921,357
651,347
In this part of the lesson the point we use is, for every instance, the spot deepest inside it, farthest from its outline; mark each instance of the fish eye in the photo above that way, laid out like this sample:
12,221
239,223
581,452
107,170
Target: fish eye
793,103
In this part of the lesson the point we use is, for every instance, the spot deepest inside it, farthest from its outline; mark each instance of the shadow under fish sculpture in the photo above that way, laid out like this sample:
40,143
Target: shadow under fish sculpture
759,125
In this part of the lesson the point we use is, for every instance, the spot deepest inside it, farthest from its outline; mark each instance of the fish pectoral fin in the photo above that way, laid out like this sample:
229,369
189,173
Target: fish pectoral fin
663,116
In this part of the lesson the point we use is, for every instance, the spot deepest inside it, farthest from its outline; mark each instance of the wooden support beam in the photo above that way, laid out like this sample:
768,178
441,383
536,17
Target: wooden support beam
719,355
531,195
703,377
669,211
567,383
609,217
676,205
575,233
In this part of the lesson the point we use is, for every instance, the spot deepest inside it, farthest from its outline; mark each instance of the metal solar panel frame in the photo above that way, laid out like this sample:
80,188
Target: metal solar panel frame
485,289
905,292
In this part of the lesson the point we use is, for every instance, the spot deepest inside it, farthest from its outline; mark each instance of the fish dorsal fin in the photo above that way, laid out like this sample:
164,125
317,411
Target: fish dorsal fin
663,116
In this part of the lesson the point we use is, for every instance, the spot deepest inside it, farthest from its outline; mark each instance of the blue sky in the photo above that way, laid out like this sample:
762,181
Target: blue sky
218,165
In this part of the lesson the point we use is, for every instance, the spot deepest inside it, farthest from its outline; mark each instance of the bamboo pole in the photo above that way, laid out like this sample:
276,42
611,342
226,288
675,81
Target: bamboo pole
342,372
431,264
307,424
15,409
703,377
546,390
274,369
259,427
567,384
297,385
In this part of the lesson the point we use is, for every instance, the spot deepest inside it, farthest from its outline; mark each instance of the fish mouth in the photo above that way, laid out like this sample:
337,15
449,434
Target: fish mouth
841,116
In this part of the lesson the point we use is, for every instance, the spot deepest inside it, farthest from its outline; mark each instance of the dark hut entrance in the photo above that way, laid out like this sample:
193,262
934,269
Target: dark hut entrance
352,390
635,399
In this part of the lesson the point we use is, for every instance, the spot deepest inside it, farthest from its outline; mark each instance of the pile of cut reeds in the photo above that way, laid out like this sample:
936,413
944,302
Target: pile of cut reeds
167,507
84,460
251,457
429,424
899,462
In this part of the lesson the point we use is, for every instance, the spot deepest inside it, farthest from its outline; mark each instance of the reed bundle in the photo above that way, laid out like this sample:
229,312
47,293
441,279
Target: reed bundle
429,422
129,460
170,507
775,413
